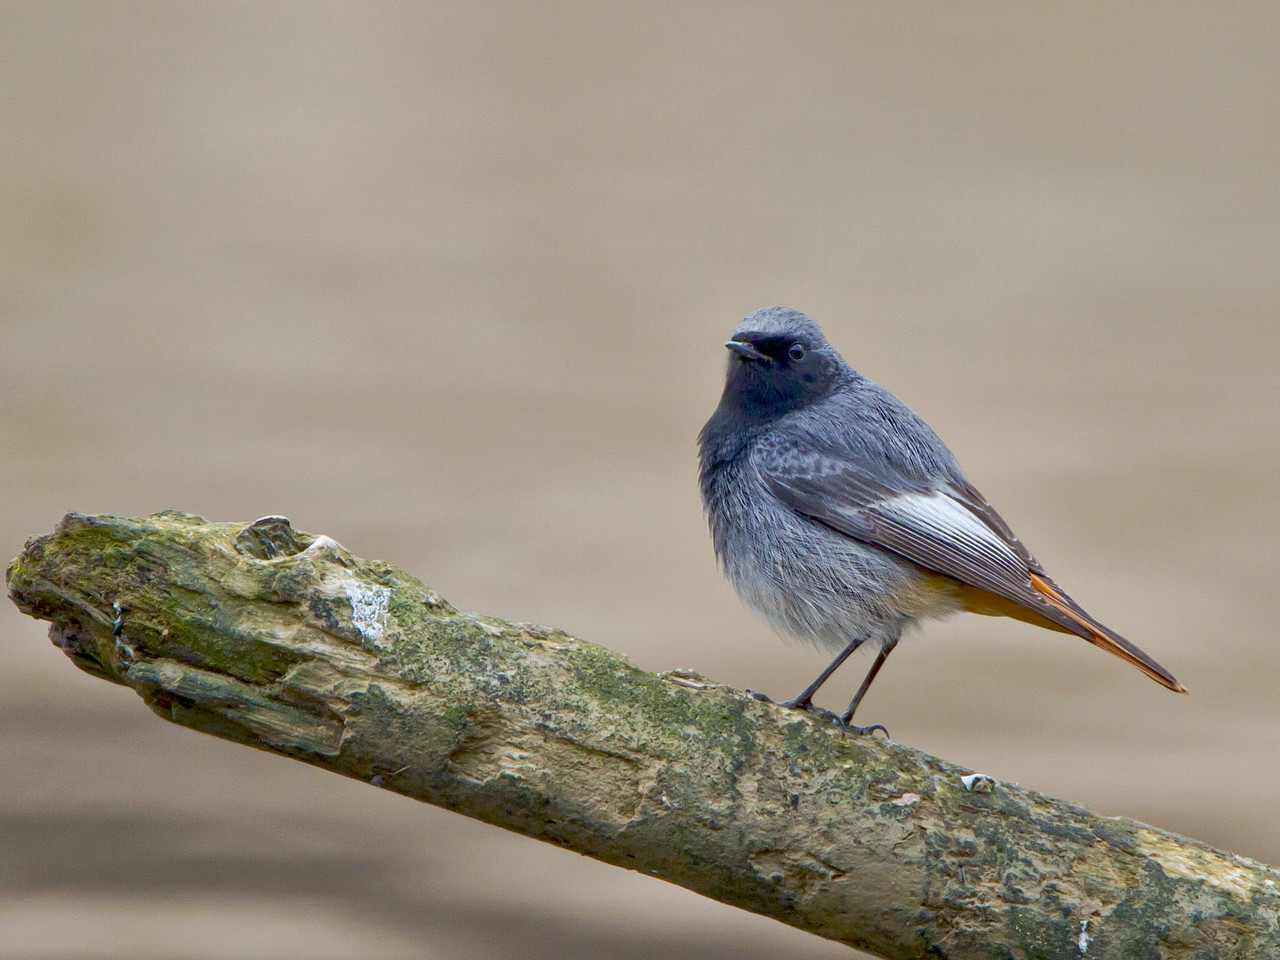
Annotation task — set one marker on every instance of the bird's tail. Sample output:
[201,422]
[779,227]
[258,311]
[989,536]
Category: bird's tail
[1101,636]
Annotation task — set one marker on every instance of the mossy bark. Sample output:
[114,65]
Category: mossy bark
[284,641]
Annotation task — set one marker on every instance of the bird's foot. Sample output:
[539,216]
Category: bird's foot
[843,723]
[808,706]
[795,703]
[867,731]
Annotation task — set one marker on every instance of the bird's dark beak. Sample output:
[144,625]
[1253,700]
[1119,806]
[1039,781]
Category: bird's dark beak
[745,350]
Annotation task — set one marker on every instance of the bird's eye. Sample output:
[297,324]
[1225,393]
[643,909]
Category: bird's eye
[796,352]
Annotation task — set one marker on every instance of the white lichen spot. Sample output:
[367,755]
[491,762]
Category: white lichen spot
[906,800]
[323,543]
[1085,939]
[978,782]
[369,607]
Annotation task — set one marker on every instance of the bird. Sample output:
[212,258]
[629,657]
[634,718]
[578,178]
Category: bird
[840,517]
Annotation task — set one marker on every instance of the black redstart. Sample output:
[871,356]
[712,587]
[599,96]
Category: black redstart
[841,518]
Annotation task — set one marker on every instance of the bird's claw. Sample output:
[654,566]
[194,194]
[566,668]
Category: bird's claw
[802,703]
[867,731]
[843,723]
[796,703]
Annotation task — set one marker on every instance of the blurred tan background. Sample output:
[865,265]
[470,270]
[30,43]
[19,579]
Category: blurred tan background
[449,283]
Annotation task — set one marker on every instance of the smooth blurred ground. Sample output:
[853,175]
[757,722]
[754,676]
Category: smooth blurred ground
[449,282]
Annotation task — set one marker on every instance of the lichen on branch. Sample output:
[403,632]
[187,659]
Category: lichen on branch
[284,641]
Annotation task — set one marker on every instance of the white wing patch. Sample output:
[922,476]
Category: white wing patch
[951,524]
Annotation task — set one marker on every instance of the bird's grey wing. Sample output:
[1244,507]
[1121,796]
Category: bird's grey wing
[948,529]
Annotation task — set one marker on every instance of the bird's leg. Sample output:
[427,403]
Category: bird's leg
[805,700]
[881,657]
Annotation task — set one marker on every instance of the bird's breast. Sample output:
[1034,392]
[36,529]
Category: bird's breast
[805,579]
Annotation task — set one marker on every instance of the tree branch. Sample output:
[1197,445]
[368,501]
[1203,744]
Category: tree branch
[284,641]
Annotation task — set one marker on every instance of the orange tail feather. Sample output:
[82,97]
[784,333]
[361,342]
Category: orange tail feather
[1100,636]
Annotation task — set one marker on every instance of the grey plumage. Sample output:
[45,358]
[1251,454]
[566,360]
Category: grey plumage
[840,517]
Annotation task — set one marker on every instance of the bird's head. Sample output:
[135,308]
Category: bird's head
[779,361]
